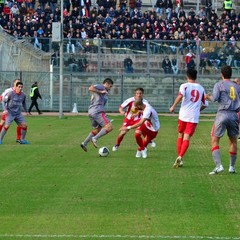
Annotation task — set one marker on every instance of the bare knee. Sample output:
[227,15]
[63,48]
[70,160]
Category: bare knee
[109,127]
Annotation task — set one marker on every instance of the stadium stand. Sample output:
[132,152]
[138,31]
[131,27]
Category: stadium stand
[150,36]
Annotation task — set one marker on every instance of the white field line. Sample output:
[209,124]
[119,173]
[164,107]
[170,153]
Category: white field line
[45,236]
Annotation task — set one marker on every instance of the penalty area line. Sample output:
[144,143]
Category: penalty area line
[43,236]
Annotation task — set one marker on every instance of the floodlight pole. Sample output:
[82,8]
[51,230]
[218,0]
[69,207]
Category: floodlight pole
[61,67]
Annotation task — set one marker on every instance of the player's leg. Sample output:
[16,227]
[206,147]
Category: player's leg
[119,139]
[106,127]
[23,133]
[189,130]
[139,140]
[149,136]
[126,122]
[3,118]
[18,133]
[8,121]
[91,134]
[232,154]
[233,131]
[218,130]
[21,122]
[22,128]
[181,128]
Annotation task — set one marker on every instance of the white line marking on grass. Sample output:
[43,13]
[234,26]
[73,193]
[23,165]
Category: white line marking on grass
[114,236]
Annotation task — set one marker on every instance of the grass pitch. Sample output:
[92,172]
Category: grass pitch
[52,189]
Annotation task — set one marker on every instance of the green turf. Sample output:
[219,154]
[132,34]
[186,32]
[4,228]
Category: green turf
[52,189]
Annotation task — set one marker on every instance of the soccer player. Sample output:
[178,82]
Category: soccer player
[132,115]
[100,122]
[226,93]
[4,114]
[192,95]
[237,81]
[14,101]
[146,128]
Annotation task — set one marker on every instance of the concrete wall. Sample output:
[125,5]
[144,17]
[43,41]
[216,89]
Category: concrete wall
[21,55]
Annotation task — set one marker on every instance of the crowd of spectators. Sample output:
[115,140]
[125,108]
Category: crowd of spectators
[106,21]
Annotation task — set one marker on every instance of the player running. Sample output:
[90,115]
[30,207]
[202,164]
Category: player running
[192,95]
[96,112]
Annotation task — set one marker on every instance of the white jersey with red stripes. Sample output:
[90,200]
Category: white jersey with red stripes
[6,91]
[150,113]
[131,110]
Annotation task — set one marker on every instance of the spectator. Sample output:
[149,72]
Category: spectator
[132,5]
[236,61]
[82,64]
[189,59]
[72,64]
[34,94]
[6,10]
[227,5]
[168,6]
[175,68]
[128,65]
[222,58]
[208,8]
[79,45]
[179,3]
[36,41]
[70,44]
[205,65]
[52,4]
[123,5]
[14,10]
[23,9]
[166,65]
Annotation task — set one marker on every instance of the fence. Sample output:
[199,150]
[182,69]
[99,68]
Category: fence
[106,59]
[159,90]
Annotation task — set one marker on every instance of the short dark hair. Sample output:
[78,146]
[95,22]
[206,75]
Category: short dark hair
[226,71]
[19,83]
[139,89]
[192,74]
[108,80]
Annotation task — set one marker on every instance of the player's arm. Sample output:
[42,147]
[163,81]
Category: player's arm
[92,88]
[177,100]
[134,125]
[204,102]
[209,97]
[25,105]
[121,110]
[5,100]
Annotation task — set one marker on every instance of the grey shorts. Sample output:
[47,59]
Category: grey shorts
[99,119]
[226,120]
[17,118]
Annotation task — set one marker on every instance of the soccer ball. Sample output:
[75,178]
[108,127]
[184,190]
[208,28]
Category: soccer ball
[103,152]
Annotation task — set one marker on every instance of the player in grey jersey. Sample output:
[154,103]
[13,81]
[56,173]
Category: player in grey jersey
[14,101]
[226,93]
[96,112]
